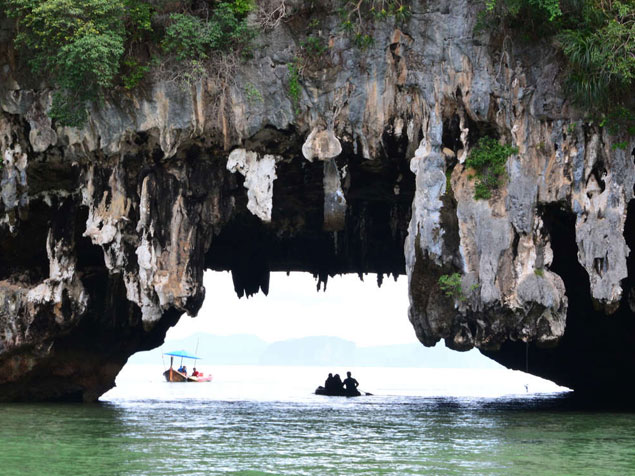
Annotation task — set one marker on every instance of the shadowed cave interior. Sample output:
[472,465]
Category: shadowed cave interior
[594,353]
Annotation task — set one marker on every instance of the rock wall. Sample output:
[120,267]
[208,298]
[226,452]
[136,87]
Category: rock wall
[106,230]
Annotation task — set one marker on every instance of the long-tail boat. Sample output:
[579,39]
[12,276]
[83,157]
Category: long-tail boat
[173,375]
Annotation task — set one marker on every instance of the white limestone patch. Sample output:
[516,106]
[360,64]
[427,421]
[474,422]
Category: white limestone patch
[259,173]
[321,145]
[428,165]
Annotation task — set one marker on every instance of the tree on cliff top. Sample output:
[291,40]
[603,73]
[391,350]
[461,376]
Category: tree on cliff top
[82,46]
[78,44]
[597,38]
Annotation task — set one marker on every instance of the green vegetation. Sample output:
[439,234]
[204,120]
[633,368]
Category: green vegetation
[87,47]
[356,16]
[597,38]
[622,145]
[448,180]
[314,46]
[294,85]
[451,286]
[539,272]
[134,72]
[488,160]
[549,9]
[78,45]
[253,94]
[189,37]
[354,12]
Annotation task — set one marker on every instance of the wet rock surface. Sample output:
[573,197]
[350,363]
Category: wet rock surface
[105,231]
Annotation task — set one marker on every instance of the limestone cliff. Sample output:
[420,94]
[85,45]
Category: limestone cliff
[106,230]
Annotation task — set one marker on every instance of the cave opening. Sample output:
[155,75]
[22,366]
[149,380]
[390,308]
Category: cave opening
[596,350]
[253,346]
[262,275]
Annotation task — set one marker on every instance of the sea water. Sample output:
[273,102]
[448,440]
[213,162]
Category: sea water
[265,420]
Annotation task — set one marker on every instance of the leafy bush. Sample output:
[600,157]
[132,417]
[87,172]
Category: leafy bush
[363,40]
[597,39]
[314,46]
[134,73]
[191,38]
[86,47]
[77,44]
[450,284]
[138,19]
[488,159]
[602,58]
[253,94]
[549,8]
[294,85]
[188,37]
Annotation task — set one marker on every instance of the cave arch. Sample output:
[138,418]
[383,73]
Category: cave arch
[107,230]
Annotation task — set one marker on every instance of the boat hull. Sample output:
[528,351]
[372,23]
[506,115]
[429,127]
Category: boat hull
[341,393]
[207,378]
[172,375]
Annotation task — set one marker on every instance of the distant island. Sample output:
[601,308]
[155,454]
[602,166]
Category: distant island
[243,349]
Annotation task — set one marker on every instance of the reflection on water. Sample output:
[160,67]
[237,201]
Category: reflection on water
[385,434]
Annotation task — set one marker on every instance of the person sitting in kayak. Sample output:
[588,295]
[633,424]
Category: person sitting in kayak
[338,386]
[328,384]
[351,385]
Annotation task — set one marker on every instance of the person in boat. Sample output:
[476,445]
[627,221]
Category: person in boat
[196,373]
[183,369]
[338,386]
[351,385]
[328,384]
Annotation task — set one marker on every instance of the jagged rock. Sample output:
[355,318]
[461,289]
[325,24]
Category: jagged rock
[106,230]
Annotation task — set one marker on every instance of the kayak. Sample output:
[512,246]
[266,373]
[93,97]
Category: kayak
[341,393]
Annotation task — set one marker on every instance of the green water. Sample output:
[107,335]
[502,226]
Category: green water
[373,435]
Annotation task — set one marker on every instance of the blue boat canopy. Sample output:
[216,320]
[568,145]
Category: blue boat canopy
[182,353]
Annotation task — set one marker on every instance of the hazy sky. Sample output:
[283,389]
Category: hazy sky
[350,309]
